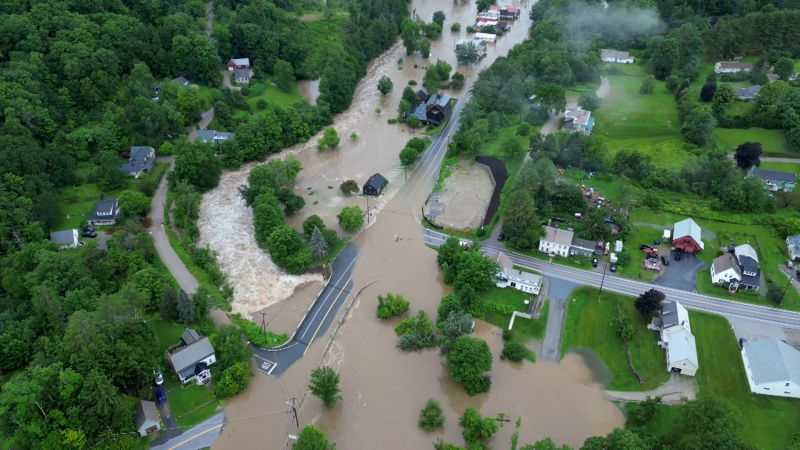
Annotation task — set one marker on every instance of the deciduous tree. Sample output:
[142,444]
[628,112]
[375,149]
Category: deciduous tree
[467,360]
[351,218]
[476,428]
[325,385]
[649,302]
[385,85]
[748,155]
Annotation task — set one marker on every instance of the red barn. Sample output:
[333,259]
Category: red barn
[686,236]
[238,63]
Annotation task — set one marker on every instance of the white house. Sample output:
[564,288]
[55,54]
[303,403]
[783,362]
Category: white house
[616,56]
[732,67]
[738,269]
[191,358]
[147,419]
[793,246]
[676,338]
[487,37]
[772,367]
[515,278]
[65,238]
[724,269]
[578,120]
[556,242]
[105,212]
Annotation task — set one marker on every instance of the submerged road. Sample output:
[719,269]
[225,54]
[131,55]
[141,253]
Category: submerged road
[693,300]
[275,361]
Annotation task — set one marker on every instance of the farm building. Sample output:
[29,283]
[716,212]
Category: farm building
[687,236]
[732,67]
[772,367]
[616,56]
[374,186]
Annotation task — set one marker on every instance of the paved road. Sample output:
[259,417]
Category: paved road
[557,294]
[275,361]
[185,279]
[693,300]
[202,435]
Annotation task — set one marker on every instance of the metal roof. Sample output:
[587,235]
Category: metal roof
[680,346]
[688,227]
[774,175]
[772,360]
[146,411]
[614,54]
[190,355]
[562,237]
[65,237]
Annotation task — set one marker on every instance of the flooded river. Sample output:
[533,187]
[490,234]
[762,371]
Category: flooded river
[383,389]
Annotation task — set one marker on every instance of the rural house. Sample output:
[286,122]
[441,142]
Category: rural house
[191,357]
[556,242]
[578,120]
[772,367]
[676,338]
[515,278]
[105,212]
[616,56]
[687,236]
[238,63]
[374,186]
[508,12]
[732,67]
[748,93]
[436,108]
[737,269]
[147,418]
[180,80]
[65,238]
[793,247]
[480,46]
[140,161]
[585,247]
[776,180]
[242,76]
[213,136]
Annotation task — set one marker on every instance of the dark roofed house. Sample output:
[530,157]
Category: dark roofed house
[147,418]
[242,76]
[374,186]
[140,161]
[65,238]
[213,136]
[190,359]
[776,180]
[584,247]
[436,108]
[105,212]
[748,93]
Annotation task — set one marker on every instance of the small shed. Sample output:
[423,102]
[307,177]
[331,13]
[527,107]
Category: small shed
[374,186]
[147,418]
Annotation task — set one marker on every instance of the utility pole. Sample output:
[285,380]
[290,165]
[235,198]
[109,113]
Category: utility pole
[602,280]
[785,289]
[294,412]
[367,209]
[263,324]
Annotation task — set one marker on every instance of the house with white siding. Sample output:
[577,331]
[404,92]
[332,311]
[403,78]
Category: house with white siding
[556,242]
[772,367]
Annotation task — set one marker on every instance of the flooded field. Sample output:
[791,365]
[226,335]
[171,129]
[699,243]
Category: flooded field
[462,203]
[226,224]
[383,389]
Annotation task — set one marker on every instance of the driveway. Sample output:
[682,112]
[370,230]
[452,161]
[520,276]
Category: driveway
[557,293]
[202,435]
[681,274]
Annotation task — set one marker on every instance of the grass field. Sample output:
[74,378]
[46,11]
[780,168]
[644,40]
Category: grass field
[589,323]
[768,421]
[772,141]
[524,329]
[628,120]
[167,333]
[739,227]
[634,269]
[190,403]
[785,166]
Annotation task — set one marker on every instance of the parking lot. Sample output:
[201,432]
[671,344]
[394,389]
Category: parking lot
[680,274]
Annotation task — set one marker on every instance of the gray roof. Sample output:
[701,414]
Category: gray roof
[681,346]
[139,160]
[213,135]
[735,65]
[794,239]
[438,99]
[240,61]
[772,360]
[242,73]
[584,243]
[420,111]
[65,237]
[188,356]
[377,181]
[561,237]
[105,207]
[669,314]
[614,54]
[180,80]
[774,175]
[748,92]
[190,336]
[724,262]
[146,411]
[688,227]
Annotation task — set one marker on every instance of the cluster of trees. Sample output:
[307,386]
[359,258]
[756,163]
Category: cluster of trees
[412,151]
[270,193]
[417,34]
[391,305]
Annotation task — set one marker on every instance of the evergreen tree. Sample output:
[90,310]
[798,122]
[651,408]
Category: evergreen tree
[319,247]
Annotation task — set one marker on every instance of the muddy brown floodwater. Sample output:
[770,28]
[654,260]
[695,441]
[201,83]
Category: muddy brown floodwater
[383,389]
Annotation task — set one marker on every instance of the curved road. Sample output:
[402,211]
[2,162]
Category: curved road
[729,308]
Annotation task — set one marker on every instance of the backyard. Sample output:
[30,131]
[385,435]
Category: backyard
[628,120]
[512,299]
[589,323]
[772,141]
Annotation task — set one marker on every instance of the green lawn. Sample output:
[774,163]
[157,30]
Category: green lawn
[785,166]
[740,108]
[524,329]
[773,141]
[269,92]
[190,403]
[589,324]
[167,333]
[628,120]
[731,227]
[768,421]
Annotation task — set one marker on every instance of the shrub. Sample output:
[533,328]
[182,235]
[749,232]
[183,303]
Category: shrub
[391,305]
[431,417]
[349,187]
[330,139]
[455,27]
[233,381]
[470,29]
[416,332]
[351,218]
[523,129]
[514,351]
[391,121]
[408,156]
[412,82]
[261,104]
[256,335]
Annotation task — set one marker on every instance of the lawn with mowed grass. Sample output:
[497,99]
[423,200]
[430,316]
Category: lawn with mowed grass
[589,323]
[628,120]
[737,228]
[634,268]
[524,329]
[167,333]
[190,403]
[265,90]
[77,203]
[768,422]
[785,166]
[772,141]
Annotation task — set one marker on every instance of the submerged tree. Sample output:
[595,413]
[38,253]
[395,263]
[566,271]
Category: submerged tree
[325,385]
[319,247]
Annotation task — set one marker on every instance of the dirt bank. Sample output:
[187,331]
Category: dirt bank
[462,203]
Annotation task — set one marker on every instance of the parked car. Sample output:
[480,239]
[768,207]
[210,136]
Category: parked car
[665,260]
[798,274]
[161,395]
[595,262]
[501,236]
[89,232]
[657,242]
[644,246]
[613,267]
[677,256]
[789,263]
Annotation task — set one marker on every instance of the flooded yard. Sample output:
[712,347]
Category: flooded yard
[462,203]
